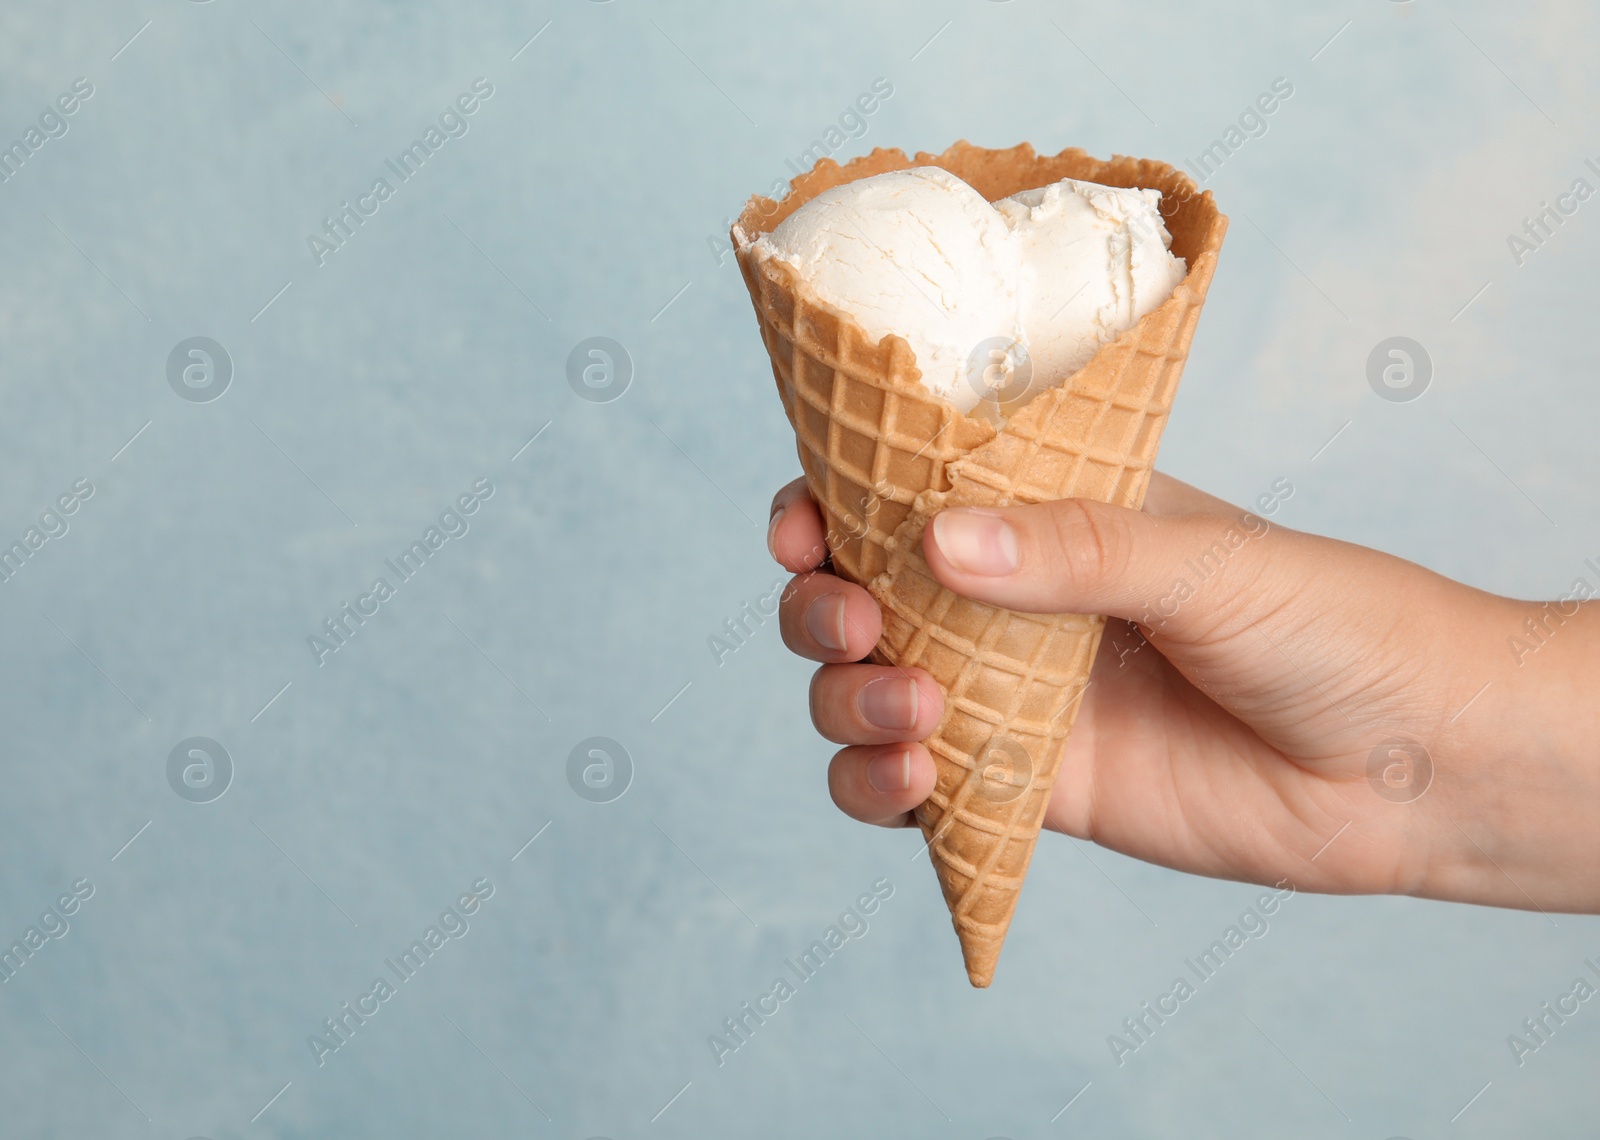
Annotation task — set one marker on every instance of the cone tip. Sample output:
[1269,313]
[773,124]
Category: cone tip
[980,959]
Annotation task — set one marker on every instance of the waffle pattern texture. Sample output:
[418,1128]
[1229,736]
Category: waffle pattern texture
[882,455]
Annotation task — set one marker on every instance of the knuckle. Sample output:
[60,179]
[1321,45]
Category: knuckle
[1234,560]
[930,697]
[1090,544]
[788,493]
[1222,586]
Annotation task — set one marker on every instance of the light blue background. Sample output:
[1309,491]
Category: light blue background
[421,756]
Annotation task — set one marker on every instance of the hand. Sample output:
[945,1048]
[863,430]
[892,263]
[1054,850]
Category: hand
[1249,677]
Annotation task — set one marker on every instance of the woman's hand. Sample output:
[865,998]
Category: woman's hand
[1266,704]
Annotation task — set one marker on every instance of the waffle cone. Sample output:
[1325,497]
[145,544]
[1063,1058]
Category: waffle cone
[882,455]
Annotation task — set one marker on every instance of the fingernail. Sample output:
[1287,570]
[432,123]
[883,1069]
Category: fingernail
[772,532]
[825,622]
[889,772]
[976,541]
[889,702]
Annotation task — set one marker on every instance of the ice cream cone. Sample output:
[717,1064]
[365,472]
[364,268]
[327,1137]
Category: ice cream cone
[882,455]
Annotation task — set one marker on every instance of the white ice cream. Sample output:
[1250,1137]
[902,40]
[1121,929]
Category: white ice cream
[914,252]
[1094,260]
[995,301]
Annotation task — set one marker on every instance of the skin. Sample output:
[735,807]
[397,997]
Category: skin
[1230,729]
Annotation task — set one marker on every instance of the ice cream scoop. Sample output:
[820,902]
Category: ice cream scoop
[916,252]
[1094,259]
[997,302]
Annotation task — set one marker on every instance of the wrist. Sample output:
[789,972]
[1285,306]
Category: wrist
[1515,797]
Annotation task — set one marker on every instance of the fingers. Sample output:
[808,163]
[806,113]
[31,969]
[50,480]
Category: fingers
[795,532]
[874,704]
[876,710]
[881,785]
[1081,556]
[826,618]
[821,616]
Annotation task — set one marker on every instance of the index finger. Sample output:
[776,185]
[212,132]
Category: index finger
[796,535]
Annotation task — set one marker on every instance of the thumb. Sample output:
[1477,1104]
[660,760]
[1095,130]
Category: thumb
[1083,556]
